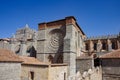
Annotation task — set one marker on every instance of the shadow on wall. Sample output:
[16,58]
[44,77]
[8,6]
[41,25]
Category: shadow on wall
[56,44]
[32,52]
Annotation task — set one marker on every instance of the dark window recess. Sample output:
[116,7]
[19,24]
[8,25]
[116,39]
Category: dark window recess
[64,76]
[95,46]
[32,75]
[96,62]
[113,45]
[87,46]
[104,46]
[50,58]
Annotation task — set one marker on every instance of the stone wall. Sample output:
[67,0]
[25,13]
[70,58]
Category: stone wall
[50,42]
[102,44]
[44,72]
[27,49]
[4,45]
[111,69]
[40,72]
[58,73]
[83,64]
[91,74]
[70,49]
[62,40]
[10,71]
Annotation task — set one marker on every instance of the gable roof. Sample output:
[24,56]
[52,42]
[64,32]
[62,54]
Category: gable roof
[9,56]
[113,54]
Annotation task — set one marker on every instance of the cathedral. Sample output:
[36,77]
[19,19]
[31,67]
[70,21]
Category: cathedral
[60,50]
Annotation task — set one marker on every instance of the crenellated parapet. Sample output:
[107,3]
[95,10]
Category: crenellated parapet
[102,37]
[102,43]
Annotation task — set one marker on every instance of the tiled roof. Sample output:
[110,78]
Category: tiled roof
[85,56]
[8,56]
[32,61]
[113,54]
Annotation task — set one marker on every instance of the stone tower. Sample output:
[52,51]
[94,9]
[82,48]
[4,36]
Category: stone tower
[60,42]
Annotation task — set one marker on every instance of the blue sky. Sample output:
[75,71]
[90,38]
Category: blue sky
[96,17]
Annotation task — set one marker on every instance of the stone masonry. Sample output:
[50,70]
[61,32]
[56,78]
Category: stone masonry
[62,41]
[59,39]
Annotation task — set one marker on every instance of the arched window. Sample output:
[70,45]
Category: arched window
[32,75]
[87,46]
[104,46]
[95,46]
[60,59]
[50,57]
[113,45]
[17,49]
[56,39]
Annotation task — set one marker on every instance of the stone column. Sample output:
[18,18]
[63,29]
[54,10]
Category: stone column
[99,46]
[69,51]
[91,46]
[118,44]
[23,48]
[109,45]
[35,40]
[83,46]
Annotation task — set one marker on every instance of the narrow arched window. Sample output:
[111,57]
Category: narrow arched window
[114,45]
[104,46]
[87,46]
[95,46]
[50,57]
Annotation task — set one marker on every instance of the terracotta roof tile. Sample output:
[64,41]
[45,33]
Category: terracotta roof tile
[32,61]
[85,56]
[113,54]
[8,56]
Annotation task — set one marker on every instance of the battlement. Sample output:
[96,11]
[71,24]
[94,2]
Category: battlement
[103,37]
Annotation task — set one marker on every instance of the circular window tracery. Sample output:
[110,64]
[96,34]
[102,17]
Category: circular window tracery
[56,40]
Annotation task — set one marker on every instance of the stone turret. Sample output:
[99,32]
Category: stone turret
[27,31]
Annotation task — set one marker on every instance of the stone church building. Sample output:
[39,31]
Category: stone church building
[60,50]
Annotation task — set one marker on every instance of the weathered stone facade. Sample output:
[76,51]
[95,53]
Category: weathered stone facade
[90,74]
[58,42]
[111,65]
[102,44]
[44,72]
[10,71]
[22,43]
[39,72]
[10,65]
[84,64]
[111,69]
